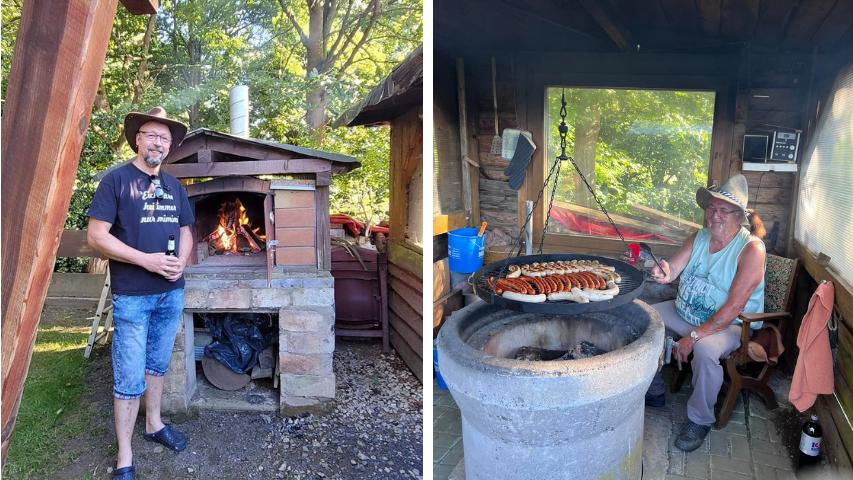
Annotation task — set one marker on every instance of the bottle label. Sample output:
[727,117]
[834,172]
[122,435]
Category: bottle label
[810,445]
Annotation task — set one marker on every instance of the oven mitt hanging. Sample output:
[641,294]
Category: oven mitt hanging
[517,168]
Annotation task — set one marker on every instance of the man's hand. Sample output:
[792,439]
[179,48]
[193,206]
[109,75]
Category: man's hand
[662,276]
[683,348]
[170,267]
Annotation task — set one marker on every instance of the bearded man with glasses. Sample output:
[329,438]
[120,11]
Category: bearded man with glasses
[135,210]
[722,275]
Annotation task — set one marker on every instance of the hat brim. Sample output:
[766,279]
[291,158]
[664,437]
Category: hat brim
[134,120]
[703,198]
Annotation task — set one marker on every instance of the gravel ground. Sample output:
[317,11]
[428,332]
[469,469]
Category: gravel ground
[375,430]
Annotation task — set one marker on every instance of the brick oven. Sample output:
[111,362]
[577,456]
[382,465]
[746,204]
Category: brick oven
[262,247]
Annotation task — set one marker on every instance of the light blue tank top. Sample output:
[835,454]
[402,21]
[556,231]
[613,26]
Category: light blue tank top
[706,279]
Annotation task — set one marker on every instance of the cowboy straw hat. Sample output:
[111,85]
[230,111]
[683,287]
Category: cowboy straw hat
[134,120]
[735,191]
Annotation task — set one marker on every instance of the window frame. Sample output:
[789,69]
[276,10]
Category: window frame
[532,94]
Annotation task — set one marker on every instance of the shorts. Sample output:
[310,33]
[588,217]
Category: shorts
[143,339]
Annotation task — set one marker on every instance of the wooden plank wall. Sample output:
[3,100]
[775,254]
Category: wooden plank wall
[447,166]
[405,303]
[498,202]
[773,93]
[405,257]
[835,409]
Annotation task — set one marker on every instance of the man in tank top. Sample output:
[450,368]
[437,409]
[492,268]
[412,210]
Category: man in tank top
[721,269]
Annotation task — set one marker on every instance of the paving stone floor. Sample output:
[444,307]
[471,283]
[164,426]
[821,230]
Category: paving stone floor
[749,447]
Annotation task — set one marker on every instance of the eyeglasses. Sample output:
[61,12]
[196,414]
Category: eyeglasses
[720,211]
[159,189]
[153,137]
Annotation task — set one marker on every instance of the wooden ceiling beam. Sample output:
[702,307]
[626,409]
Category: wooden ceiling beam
[249,167]
[613,27]
[141,7]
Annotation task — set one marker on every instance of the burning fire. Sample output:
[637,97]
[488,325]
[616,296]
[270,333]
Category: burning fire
[234,226]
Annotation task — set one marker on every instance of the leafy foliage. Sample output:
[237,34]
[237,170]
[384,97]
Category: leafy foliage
[192,52]
[636,147]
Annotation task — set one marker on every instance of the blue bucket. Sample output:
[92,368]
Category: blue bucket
[466,250]
[438,378]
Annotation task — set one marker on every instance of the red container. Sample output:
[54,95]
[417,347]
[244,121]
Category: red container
[361,294]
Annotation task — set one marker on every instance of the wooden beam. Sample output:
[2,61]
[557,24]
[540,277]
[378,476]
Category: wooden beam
[73,243]
[56,67]
[140,7]
[252,167]
[463,136]
[614,28]
[445,223]
[323,236]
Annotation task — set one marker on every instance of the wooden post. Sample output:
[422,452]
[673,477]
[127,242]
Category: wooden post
[463,137]
[56,67]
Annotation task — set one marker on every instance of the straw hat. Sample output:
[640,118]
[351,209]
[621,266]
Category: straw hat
[735,191]
[134,120]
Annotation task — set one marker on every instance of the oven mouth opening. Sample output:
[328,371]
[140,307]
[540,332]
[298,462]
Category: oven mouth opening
[231,229]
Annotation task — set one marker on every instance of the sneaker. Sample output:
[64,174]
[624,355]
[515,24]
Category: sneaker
[691,437]
[656,401]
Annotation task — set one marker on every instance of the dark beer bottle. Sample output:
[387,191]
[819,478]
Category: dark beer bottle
[170,247]
[810,440]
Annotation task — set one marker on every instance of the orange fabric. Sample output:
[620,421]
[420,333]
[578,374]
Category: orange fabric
[813,373]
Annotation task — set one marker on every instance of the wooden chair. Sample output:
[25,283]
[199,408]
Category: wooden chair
[779,281]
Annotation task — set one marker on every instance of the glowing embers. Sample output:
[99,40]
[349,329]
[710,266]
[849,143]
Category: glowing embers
[234,234]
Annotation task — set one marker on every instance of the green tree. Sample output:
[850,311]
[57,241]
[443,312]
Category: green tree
[636,147]
[191,52]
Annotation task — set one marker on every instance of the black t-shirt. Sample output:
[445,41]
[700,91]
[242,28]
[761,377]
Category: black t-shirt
[126,199]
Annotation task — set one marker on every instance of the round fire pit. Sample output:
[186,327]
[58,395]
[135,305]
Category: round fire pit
[572,408]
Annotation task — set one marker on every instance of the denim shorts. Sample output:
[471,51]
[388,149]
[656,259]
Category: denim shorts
[143,339]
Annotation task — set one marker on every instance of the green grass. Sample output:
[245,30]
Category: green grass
[49,414]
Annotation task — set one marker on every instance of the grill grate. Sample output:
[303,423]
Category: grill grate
[629,288]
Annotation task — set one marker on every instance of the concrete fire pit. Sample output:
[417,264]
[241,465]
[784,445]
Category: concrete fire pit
[560,419]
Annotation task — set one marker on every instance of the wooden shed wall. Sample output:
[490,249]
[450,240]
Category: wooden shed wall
[447,167]
[405,302]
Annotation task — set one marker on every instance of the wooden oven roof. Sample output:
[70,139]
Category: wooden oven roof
[208,153]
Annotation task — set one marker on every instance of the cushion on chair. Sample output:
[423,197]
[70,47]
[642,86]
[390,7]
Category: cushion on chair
[776,282]
[766,345]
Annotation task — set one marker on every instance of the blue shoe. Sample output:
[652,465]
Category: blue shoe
[124,473]
[691,437]
[656,401]
[169,437]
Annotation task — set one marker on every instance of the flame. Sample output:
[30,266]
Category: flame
[233,225]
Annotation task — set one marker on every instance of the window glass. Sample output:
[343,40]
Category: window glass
[644,153]
[825,200]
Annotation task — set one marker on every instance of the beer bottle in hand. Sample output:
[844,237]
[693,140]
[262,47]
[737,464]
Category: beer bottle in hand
[170,247]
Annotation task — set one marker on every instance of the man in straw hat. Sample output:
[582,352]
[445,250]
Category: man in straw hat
[137,214]
[722,275]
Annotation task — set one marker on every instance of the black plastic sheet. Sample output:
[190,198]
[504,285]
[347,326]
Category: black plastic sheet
[238,339]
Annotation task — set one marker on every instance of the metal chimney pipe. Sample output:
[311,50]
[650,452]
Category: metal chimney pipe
[238,99]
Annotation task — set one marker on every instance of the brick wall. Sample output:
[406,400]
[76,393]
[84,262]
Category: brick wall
[295,228]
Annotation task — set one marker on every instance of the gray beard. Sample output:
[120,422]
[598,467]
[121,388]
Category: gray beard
[152,162]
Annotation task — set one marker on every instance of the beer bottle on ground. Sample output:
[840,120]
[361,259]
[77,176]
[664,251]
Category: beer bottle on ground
[170,247]
[810,440]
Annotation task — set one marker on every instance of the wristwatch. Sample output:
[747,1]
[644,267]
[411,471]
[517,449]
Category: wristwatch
[694,335]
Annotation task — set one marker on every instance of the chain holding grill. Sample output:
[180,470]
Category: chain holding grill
[554,172]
